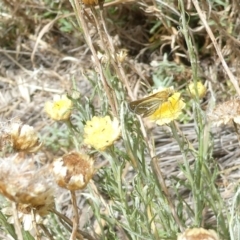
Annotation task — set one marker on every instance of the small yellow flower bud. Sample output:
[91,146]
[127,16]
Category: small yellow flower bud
[60,108]
[73,171]
[198,234]
[201,89]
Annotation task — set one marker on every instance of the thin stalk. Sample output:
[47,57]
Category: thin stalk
[162,185]
[33,214]
[46,231]
[17,224]
[66,220]
[81,21]
[75,218]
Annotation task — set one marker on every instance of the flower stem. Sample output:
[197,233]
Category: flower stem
[75,218]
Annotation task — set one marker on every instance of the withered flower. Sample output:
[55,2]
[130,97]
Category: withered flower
[22,137]
[73,171]
[226,113]
[23,182]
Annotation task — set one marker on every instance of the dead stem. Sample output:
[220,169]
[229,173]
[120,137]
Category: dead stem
[17,224]
[118,67]
[79,12]
[75,218]
[33,214]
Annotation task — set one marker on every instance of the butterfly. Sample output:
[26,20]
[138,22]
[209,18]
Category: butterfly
[148,105]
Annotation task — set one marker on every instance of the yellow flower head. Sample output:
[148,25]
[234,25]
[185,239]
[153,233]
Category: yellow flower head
[201,89]
[198,234]
[73,171]
[101,132]
[226,112]
[60,108]
[169,110]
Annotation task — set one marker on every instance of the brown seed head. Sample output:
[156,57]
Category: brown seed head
[73,171]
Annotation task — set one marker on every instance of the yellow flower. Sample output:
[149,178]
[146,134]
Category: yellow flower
[60,108]
[201,89]
[73,171]
[198,234]
[101,132]
[169,110]
[226,112]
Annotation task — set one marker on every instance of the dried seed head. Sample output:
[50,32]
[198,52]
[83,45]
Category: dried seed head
[226,113]
[22,137]
[23,182]
[73,171]
[198,234]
